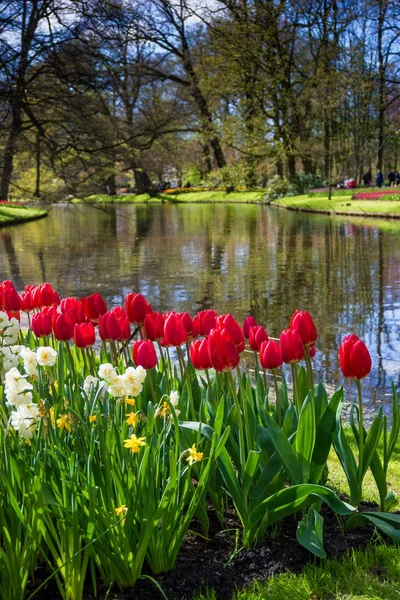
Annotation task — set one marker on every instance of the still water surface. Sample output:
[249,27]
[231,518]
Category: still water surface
[243,259]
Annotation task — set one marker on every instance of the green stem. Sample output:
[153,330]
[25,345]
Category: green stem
[188,382]
[360,431]
[278,398]
[210,388]
[242,456]
[245,401]
[296,395]
[310,372]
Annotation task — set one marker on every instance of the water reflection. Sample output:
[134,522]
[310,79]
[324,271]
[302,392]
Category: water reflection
[240,259]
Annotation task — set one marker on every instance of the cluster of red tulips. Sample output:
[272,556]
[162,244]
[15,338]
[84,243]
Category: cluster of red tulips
[216,341]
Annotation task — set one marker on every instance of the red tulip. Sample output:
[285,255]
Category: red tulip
[144,354]
[154,326]
[199,355]
[84,335]
[175,333]
[114,326]
[189,325]
[354,358]
[292,347]
[229,323]
[74,308]
[43,295]
[27,300]
[10,300]
[312,351]
[222,350]
[248,322]
[63,327]
[93,306]
[257,335]
[204,321]
[270,355]
[42,323]
[303,323]
[137,308]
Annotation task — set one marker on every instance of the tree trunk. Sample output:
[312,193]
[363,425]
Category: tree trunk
[110,186]
[38,160]
[142,182]
[10,149]
[202,105]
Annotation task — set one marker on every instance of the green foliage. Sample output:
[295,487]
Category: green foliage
[231,177]
[278,187]
[303,182]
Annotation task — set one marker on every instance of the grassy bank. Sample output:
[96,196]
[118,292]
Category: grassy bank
[186,197]
[342,204]
[9,215]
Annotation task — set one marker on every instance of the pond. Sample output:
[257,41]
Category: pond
[243,259]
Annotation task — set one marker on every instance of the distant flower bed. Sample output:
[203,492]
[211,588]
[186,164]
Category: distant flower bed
[8,203]
[187,190]
[389,195]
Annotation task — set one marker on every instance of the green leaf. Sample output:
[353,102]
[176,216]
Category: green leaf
[250,470]
[305,436]
[386,522]
[205,430]
[346,458]
[321,402]
[285,451]
[326,428]
[310,533]
[370,444]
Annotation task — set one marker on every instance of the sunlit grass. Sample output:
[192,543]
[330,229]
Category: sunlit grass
[9,215]
[342,204]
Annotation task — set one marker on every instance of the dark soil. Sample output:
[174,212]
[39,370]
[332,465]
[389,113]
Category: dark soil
[219,563]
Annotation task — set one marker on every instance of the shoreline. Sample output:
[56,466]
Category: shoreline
[16,215]
[333,212]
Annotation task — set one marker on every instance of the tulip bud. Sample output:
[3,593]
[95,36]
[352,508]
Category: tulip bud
[223,353]
[189,325]
[42,324]
[74,308]
[354,358]
[229,323]
[303,323]
[114,325]
[137,308]
[11,300]
[175,333]
[270,355]
[144,354]
[154,326]
[248,322]
[63,327]
[257,335]
[84,335]
[199,355]
[93,306]
[292,347]
[204,321]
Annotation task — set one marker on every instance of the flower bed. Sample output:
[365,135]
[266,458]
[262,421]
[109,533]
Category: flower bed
[107,454]
[388,194]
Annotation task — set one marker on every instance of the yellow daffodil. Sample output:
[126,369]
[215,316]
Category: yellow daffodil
[194,456]
[130,401]
[51,413]
[92,418]
[120,510]
[134,443]
[132,419]
[63,422]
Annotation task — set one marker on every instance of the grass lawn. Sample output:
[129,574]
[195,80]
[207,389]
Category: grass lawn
[14,214]
[341,204]
[370,574]
[188,197]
